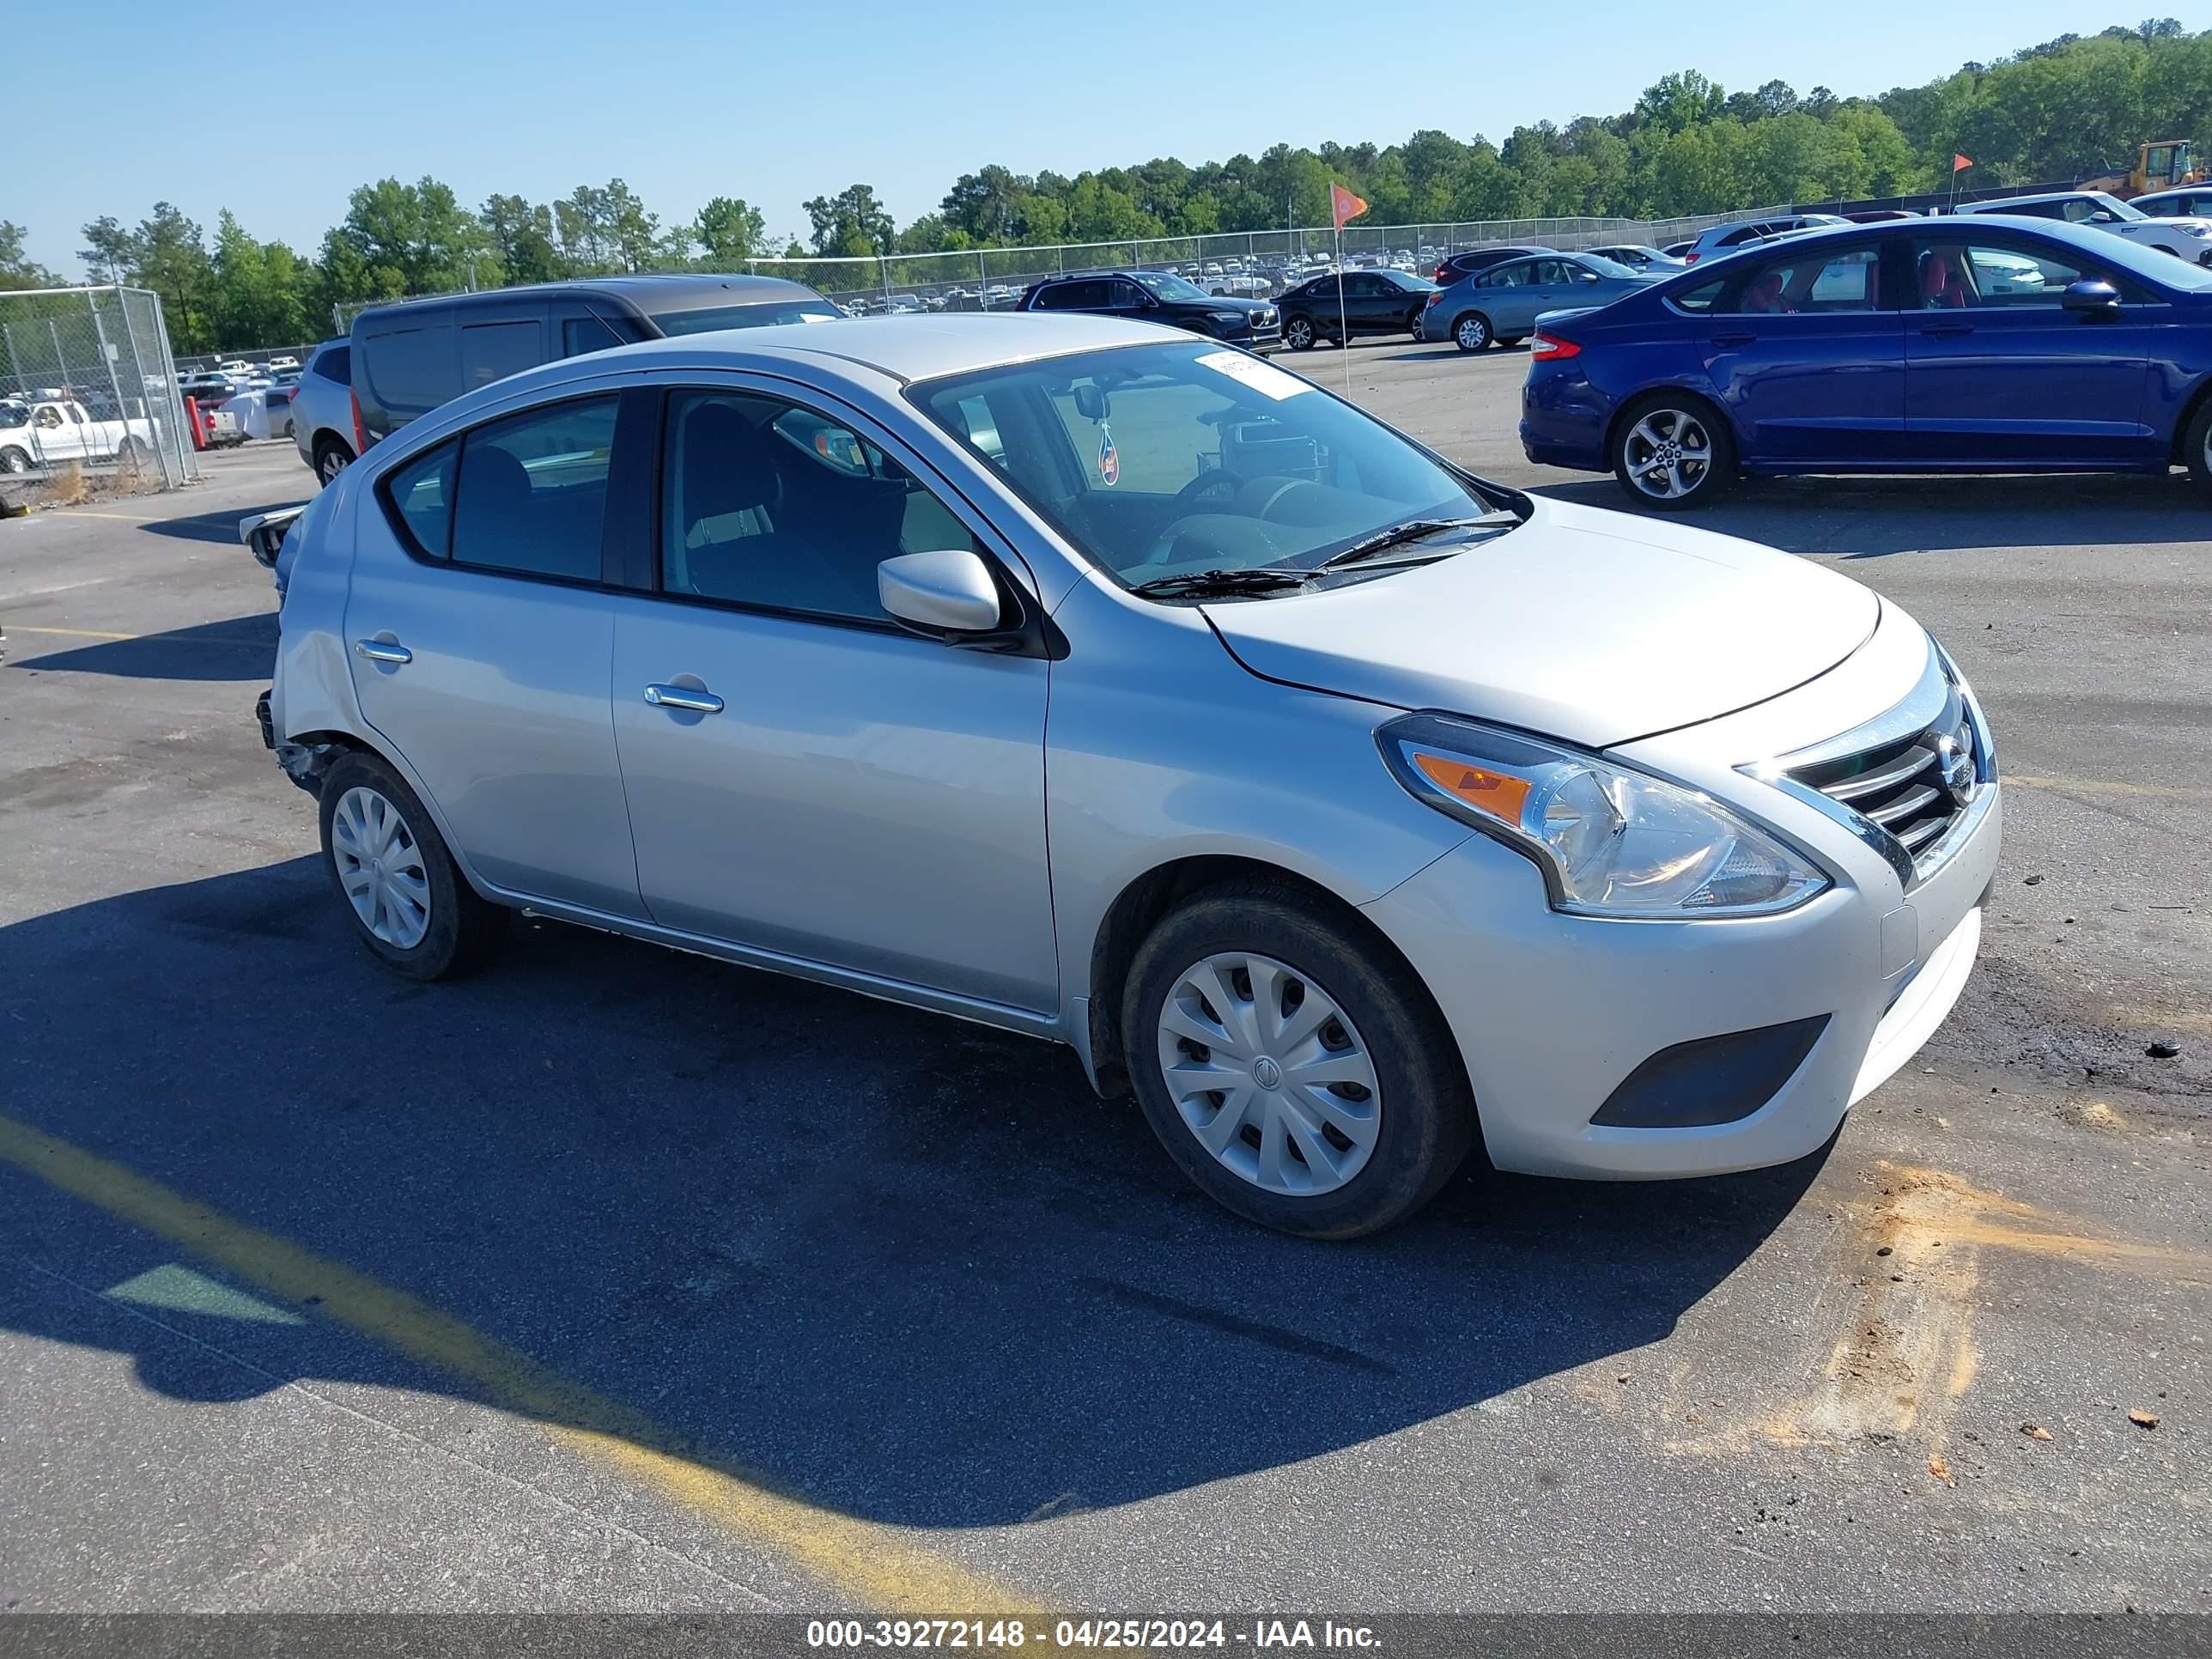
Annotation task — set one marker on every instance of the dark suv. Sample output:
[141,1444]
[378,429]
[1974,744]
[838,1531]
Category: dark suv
[410,357]
[1159,296]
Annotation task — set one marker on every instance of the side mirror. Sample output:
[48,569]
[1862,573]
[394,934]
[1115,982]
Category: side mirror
[940,593]
[2101,216]
[2091,298]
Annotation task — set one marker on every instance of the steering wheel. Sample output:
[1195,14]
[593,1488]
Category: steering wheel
[1212,479]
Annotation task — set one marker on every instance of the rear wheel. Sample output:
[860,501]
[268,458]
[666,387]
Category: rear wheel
[132,452]
[13,459]
[1295,1070]
[331,458]
[2196,445]
[1671,451]
[1298,333]
[1471,332]
[410,903]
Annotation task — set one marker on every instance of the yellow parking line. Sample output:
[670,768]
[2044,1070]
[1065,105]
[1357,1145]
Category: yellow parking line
[881,1567]
[2105,786]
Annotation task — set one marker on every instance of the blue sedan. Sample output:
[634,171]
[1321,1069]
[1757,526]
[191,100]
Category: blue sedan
[1988,344]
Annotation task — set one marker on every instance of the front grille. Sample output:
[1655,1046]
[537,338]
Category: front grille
[1911,788]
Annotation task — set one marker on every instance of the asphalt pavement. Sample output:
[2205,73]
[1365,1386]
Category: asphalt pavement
[619,1281]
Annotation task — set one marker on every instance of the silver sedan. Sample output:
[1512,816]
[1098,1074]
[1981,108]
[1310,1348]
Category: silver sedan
[1097,683]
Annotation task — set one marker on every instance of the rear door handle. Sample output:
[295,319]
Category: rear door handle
[682,696]
[1945,331]
[383,651]
[1734,339]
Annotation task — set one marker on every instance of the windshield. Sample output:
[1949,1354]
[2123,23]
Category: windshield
[1606,267]
[1171,460]
[2115,206]
[710,317]
[1162,285]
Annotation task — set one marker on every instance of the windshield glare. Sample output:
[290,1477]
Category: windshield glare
[708,318]
[1162,285]
[1169,459]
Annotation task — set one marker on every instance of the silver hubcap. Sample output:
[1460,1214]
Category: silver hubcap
[1474,332]
[1269,1074]
[1669,453]
[1300,333]
[380,867]
[333,464]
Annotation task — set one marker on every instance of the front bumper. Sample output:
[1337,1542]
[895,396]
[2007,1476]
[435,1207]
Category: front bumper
[1553,1013]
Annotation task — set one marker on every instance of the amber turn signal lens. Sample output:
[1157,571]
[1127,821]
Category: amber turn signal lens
[1498,793]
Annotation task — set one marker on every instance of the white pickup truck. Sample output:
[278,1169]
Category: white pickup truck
[46,433]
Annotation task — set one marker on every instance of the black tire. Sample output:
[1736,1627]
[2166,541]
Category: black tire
[2194,443]
[331,458]
[13,459]
[1413,322]
[464,929]
[1471,332]
[1299,333]
[133,452]
[1715,457]
[1427,1116]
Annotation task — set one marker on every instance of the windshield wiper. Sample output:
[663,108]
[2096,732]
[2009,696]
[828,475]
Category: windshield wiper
[1199,584]
[1413,530]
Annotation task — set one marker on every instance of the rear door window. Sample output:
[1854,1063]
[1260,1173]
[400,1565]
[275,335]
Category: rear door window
[422,493]
[413,370]
[492,351]
[532,491]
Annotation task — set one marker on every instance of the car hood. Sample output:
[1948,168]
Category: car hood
[1591,626]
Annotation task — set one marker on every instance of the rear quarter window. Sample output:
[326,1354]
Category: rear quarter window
[334,363]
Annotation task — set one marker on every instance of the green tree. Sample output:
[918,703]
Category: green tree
[415,239]
[258,291]
[521,237]
[730,231]
[107,252]
[851,223]
[17,269]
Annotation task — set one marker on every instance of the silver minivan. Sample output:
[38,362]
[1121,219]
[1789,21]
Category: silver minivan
[1119,688]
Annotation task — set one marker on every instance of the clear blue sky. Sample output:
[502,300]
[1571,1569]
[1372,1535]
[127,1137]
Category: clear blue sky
[277,110]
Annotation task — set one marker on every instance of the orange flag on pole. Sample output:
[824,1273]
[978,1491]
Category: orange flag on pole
[1343,205]
[1960,163]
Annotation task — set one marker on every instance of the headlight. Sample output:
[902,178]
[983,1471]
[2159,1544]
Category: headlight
[1611,841]
[2199,230]
[1230,317]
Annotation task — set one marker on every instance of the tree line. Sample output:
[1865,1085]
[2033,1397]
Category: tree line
[2065,109]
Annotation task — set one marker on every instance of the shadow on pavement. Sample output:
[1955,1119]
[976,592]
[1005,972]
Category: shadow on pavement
[242,648]
[1872,518]
[904,1267]
[220,526]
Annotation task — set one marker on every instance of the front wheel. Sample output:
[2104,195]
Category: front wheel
[1673,452]
[1299,334]
[1471,332]
[410,903]
[1295,1070]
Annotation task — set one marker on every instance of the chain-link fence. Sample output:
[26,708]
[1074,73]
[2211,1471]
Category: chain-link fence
[89,388]
[1256,263]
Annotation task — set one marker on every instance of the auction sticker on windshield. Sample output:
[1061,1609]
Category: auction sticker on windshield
[1263,377]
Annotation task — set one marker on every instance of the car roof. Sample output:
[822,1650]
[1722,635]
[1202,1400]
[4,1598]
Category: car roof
[2003,202]
[669,291]
[905,348]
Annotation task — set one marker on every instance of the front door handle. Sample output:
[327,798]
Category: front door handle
[389,651]
[682,696]
[1734,339]
[1945,331]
